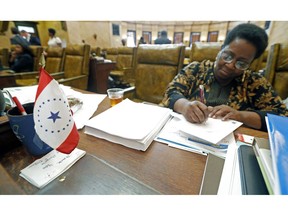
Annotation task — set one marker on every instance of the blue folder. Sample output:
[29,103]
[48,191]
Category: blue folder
[278,137]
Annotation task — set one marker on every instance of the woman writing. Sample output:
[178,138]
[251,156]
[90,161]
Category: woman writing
[231,90]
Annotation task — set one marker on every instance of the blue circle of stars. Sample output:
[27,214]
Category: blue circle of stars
[54,116]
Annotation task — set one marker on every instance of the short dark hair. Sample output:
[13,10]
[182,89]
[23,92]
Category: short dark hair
[164,33]
[250,32]
[14,30]
[52,31]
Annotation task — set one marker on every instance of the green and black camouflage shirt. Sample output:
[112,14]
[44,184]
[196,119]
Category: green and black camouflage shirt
[253,93]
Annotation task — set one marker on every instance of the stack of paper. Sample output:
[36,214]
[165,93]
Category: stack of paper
[131,124]
[46,169]
[278,138]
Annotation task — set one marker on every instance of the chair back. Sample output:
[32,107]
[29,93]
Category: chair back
[156,66]
[76,63]
[111,53]
[37,52]
[95,51]
[55,59]
[260,63]
[4,56]
[205,50]
[125,57]
[277,68]
[125,64]
[188,52]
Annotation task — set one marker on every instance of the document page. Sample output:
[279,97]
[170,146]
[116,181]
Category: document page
[46,169]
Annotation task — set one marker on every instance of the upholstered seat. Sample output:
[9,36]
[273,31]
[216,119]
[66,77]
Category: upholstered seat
[187,58]
[4,57]
[205,50]
[277,68]
[54,59]
[111,53]
[260,63]
[76,66]
[156,66]
[30,78]
[54,63]
[125,65]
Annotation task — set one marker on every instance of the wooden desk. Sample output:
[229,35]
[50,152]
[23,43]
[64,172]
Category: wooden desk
[160,169]
[98,75]
[7,80]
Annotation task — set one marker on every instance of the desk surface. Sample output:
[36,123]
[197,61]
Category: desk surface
[160,169]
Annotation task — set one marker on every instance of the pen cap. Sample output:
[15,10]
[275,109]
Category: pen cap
[23,127]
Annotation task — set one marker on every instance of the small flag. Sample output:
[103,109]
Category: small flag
[53,119]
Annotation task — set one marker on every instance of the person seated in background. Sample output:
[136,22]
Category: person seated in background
[17,37]
[53,40]
[32,40]
[21,59]
[163,39]
[141,41]
[231,90]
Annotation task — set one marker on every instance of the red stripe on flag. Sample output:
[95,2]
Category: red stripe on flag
[71,142]
[44,79]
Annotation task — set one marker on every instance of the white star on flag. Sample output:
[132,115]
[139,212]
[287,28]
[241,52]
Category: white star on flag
[53,118]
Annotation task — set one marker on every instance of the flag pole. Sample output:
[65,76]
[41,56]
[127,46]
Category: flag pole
[42,61]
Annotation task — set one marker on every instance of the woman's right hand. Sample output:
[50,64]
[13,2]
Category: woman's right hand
[193,111]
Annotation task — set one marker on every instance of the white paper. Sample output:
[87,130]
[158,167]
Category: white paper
[212,131]
[27,94]
[171,135]
[46,169]
[230,183]
[128,123]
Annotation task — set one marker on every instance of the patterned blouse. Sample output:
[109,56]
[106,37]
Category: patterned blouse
[253,93]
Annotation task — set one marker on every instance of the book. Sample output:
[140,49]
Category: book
[131,124]
[210,132]
[44,170]
[278,138]
[262,151]
[252,182]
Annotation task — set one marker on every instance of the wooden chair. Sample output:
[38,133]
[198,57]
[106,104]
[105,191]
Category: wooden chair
[76,66]
[277,68]
[156,66]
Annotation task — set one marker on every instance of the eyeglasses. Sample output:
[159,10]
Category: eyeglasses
[228,58]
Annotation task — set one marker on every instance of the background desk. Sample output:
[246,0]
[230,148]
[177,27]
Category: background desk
[7,79]
[160,169]
[98,75]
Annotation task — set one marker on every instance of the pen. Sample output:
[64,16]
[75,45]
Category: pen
[19,105]
[201,93]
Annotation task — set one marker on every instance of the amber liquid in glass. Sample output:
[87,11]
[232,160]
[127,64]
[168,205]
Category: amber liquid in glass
[115,100]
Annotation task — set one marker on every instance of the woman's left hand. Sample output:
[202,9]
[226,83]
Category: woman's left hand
[225,112]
